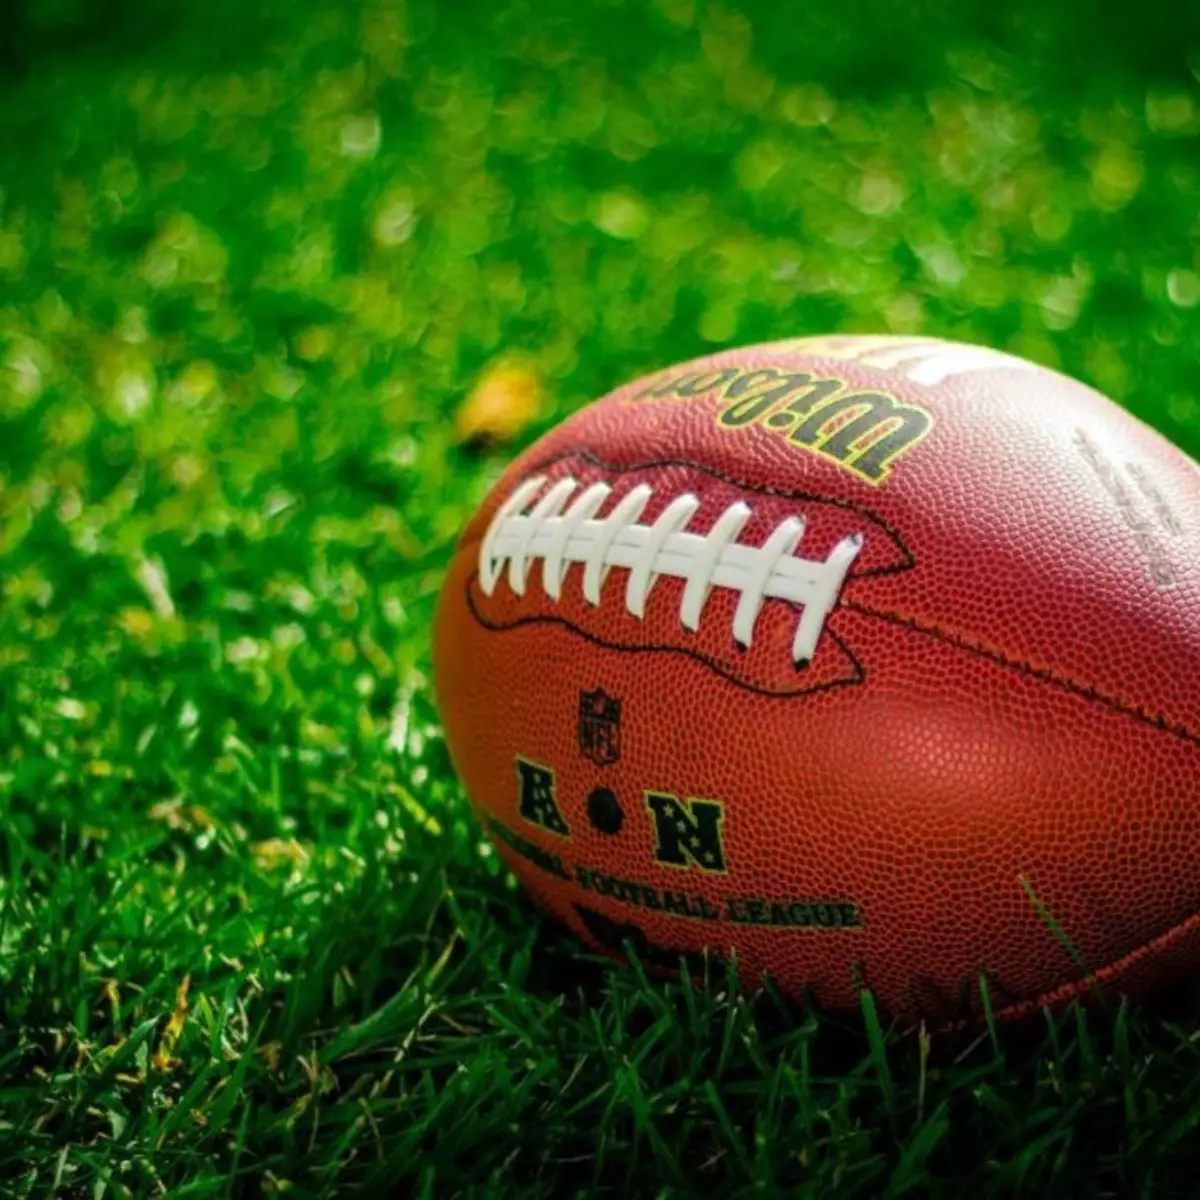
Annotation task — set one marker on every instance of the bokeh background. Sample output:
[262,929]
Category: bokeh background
[282,287]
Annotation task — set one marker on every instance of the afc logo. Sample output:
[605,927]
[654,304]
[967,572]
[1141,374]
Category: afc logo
[599,727]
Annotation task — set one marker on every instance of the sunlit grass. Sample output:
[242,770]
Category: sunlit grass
[254,294]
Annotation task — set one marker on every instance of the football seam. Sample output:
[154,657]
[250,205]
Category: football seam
[1068,991]
[859,673]
[1085,691]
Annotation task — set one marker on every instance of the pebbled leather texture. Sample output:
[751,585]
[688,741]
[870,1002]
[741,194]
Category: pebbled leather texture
[998,735]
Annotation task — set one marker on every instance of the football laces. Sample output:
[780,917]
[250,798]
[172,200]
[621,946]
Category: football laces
[563,528]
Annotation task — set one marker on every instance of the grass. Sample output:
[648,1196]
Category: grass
[251,939]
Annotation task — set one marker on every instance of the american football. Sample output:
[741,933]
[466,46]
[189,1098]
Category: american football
[870,662]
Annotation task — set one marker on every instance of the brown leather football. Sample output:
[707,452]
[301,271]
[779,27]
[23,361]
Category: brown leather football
[871,661]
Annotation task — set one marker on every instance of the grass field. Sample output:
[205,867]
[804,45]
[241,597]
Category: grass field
[251,263]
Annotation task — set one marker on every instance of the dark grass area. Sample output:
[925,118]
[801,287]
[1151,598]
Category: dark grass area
[252,259]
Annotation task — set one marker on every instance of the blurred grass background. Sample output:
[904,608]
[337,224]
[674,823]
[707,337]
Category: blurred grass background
[254,259]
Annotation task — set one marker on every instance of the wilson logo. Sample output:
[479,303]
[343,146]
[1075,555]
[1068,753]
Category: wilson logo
[864,432]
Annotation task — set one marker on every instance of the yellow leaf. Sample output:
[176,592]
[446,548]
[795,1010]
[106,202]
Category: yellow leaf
[137,622]
[275,852]
[170,1035]
[178,815]
[503,402]
[269,1054]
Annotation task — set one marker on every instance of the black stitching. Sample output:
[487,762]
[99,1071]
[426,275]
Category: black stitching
[1084,690]
[859,672]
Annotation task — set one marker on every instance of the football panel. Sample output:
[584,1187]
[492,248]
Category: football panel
[941,817]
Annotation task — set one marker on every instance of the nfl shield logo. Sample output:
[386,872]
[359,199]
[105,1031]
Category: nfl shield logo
[599,727]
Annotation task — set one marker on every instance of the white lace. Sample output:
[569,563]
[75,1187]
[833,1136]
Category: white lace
[560,537]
